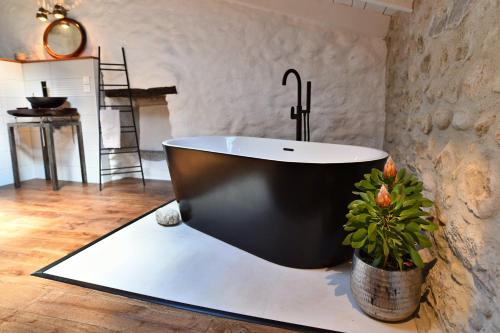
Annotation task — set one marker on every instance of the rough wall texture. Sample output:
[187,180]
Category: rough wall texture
[227,62]
[443,121]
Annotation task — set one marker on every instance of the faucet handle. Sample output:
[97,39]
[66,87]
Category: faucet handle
[293,114]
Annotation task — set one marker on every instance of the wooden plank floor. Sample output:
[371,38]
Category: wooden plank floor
[38,226]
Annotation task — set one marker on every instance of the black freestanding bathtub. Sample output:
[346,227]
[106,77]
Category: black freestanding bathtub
[284,201]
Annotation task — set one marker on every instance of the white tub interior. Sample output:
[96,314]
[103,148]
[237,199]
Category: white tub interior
[274,149]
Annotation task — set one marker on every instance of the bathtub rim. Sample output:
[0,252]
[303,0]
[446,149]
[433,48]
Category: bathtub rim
[169,144]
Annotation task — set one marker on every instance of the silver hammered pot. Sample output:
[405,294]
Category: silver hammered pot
[385,295]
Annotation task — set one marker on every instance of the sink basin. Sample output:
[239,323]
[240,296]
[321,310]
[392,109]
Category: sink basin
[46,102]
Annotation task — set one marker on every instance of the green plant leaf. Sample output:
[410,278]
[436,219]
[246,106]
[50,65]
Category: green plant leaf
[426,203]
[358,245]
[365,197]
[365,184]
[394,196]
[359,235]
[385,247]
[400,262]
[373,211]
[413,188]
[410,189]
[400,200]
[399,227]
[356,224]
[415,257]
[408,212]
[376,262]
[411,213]
[412,196]
[361,217]
[408,238]
[347,240]
[371,230]
[356,203]
[410,202]
[413,227]
[429,227]
[423,241]
[371,247]
[401,175]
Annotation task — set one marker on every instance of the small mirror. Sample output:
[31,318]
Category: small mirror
[64,38]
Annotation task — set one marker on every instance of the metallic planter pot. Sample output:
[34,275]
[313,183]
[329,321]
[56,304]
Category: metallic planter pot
[385,295]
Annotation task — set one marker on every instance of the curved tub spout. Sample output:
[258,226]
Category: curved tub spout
[298,113]
[299,86]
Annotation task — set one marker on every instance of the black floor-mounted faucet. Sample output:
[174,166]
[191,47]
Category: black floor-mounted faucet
[298,113]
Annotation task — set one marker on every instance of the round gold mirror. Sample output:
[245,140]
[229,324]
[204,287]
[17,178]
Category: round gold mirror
[64,38]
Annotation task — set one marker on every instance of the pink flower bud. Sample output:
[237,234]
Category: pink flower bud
[383,197]
[390,168]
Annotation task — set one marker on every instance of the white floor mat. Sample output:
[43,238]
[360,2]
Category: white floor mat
[183,265]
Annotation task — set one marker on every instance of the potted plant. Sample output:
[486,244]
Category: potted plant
[386,227]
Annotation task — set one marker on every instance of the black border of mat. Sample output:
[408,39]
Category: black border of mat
[183,306]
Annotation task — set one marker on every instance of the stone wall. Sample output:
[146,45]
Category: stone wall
[443,122]
[227,61]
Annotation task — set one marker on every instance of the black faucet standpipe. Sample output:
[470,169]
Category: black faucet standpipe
[44,89]
[298,113]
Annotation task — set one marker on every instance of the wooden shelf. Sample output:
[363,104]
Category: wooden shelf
[46,60]
[151,92]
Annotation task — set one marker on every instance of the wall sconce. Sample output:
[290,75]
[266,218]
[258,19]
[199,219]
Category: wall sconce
[59,12]
[42,14]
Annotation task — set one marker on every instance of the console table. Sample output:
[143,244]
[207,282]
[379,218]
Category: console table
[49,120]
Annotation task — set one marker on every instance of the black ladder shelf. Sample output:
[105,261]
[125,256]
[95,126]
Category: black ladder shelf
[125,108]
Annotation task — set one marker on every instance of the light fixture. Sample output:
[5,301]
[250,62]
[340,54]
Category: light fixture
[41,14]
[59,12]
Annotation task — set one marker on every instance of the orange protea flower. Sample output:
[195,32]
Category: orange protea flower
[390,168]
[383,197]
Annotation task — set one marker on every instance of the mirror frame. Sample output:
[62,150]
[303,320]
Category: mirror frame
[55,23]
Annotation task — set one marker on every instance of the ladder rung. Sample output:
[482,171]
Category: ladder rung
[117,106]
[117,168]
[112,69]
[111,64]
[128,131]
[127,126]
[129,147]
[120,152]
[113,85]
[125,110]
[118,173]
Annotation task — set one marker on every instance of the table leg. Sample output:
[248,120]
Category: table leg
[81,151]
[43,140]
[13,157]
[52,156]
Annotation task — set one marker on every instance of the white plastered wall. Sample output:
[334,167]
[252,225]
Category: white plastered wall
[227,61]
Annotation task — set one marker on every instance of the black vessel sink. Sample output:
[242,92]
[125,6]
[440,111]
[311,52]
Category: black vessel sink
[46,102]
